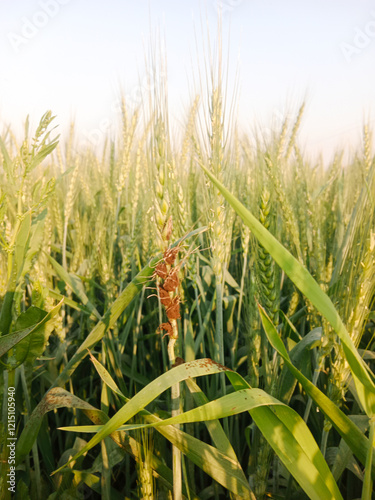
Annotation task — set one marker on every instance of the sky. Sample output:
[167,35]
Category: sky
[75,57]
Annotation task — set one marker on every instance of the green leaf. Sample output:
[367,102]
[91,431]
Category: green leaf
[310,288]
[214,427]
[10,340]
[343,456]
[107,322]
[357,441]
[69,302]
[226,406]
[367,482]
[216,431]
[92,339]
[35,241]
[21,244]
[150,392]
[294,444]
[7,162]
[106,377]
[21,237]
[33,345]
[298,356]
[222,468]
[163,471]
[73,281]
[291,439]
[215,463]
[55,398]
[43,153]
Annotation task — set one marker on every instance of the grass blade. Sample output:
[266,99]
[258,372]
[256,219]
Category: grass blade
[310,288]
[75,284]
[357,441]
[150,392]
[12,339]
[283,427]
[294,444]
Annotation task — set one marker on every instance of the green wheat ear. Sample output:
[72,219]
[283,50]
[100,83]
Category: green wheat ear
[269,294]
[146,480]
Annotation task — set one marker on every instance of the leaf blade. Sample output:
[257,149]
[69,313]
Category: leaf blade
[310,288]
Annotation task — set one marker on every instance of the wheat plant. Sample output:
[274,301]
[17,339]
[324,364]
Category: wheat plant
[174,280]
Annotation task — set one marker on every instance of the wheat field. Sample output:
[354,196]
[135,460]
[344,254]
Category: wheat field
[219,280]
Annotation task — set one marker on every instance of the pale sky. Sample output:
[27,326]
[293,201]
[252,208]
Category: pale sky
[74,57]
